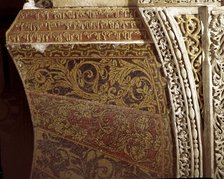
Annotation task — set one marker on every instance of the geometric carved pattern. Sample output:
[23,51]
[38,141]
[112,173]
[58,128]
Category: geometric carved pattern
[139,138]
[186,114]
[191,31]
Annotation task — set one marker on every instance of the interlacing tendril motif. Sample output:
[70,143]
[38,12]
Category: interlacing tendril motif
[76,161]
[217,63]
[131,135]
[191,30]
[128,79]
[186,115]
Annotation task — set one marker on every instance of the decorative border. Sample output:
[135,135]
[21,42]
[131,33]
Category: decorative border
[182,90]
[125,3]
[190,27]
[213,89]
[78,25]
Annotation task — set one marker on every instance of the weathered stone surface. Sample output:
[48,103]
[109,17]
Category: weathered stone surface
[98,3]
[213,20]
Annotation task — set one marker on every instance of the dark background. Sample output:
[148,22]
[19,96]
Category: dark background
[16,135]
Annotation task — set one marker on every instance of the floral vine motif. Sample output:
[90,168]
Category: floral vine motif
[118,74]
[129,79]
[184,110]
[191,31]
[135,136]
[64,162]
[217,63]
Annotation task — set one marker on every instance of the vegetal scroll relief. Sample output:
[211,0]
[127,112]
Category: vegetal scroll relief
[186,115]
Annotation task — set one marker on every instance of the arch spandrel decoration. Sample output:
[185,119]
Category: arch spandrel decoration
[130,78]
[182,91]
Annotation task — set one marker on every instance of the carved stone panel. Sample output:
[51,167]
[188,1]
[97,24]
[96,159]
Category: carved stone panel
[190,26]
[214,80]
[175,61]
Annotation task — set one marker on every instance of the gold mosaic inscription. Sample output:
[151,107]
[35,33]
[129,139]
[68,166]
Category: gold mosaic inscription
[77,25]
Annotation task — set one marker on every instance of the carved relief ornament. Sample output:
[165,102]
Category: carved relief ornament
[182,90]
[214,90]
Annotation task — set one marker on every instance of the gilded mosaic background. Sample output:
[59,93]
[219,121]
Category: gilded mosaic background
[107,100]
[139,138]
[97,81]
[124,75]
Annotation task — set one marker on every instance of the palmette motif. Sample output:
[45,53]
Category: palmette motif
[185,107]
[191,30]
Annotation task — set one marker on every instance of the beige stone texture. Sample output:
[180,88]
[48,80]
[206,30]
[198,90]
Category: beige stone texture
[72,3]
[125,3]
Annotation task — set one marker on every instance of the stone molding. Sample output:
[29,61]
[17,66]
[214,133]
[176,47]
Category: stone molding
[97,3]
[186,114]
